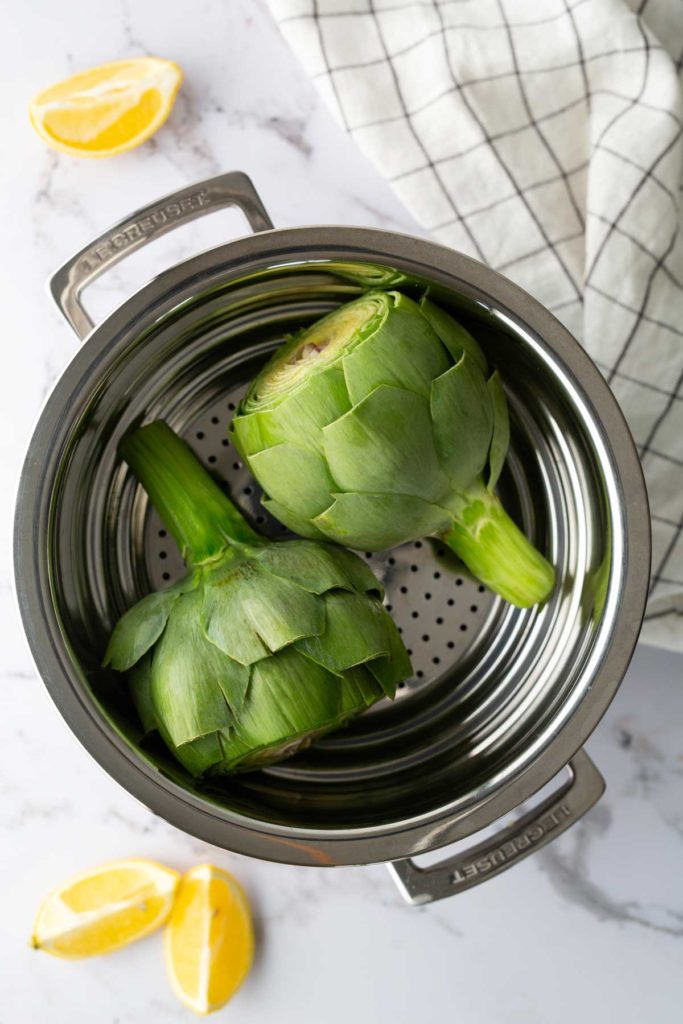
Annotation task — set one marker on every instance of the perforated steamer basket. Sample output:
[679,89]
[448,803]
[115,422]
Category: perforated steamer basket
[502,699]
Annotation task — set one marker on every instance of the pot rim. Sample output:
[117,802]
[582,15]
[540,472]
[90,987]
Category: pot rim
[188,810]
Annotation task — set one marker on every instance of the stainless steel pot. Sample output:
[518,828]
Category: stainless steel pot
[502,700]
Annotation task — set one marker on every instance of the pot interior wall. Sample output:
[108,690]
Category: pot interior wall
[493,684]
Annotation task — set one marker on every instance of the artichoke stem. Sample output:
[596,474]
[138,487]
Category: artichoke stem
[192,506]
[496,551]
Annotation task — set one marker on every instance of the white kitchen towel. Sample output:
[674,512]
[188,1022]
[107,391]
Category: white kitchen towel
[542,137]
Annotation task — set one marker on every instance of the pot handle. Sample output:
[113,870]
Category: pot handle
[549,819]
[152,221]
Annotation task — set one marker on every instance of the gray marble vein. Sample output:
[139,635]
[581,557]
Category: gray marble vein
[569,873]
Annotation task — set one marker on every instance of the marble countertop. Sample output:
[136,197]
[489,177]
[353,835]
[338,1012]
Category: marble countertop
[591,927]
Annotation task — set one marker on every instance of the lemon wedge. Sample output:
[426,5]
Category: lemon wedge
[209,939]
[109,109]
[104,909]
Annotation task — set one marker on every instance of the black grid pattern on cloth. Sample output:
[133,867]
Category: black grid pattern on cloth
[545,141]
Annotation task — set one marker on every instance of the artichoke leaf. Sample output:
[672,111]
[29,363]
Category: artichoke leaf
[299,416]
[140,687]
[296,523]
[294,477]
[293,698]
[249,612]
[386,445]
[403,352]
[500,440]
[196,689]
[355,632]
[453,335]
[392,670]
[380,521]
[463,421]
[200,755]
[140,627]
[294,417]
[364,679]
[246,434]
[319,567]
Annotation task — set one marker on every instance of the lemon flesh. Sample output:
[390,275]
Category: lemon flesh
[109,109]
[104,909]
[209,939]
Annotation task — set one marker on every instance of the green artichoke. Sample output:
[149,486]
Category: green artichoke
[263,646]
[380,424]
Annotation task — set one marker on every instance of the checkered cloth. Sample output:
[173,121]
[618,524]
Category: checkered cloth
[543,138]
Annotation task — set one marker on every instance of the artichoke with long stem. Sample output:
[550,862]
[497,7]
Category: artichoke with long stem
[264,645]
[380,424]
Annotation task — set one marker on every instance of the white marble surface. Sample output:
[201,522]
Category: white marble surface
[591,928]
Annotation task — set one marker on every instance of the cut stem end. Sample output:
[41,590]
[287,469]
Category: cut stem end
[496,551]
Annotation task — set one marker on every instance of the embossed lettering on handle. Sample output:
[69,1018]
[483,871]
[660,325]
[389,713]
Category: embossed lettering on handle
[131,233]
[551,818]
